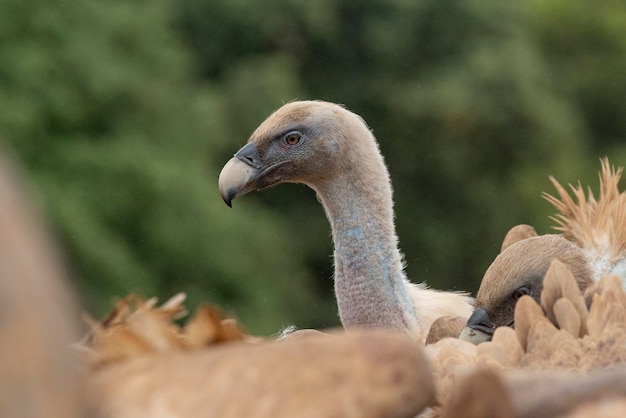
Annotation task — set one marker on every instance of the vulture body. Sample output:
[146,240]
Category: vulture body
[592,245]
[333,151]
[565,355]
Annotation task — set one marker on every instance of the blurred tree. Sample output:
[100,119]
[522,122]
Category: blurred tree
[584,44]
[99,105]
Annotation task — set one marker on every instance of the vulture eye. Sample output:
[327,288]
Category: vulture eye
[519,293]
[292,138]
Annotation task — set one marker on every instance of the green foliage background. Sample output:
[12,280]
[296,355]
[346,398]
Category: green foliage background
[123,112]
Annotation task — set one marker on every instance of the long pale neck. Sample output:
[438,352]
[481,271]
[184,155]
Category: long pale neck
[369,275]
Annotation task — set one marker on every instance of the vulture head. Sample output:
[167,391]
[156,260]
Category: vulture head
[517,271]
[302,142]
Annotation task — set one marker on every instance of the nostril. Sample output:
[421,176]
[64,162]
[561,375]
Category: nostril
[249,154]
[480,320]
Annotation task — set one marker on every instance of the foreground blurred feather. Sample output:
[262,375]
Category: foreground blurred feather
[141,362]
[38,319]
[367,373]
[136,327]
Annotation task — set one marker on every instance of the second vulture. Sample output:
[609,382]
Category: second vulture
[592,246]
[333,151]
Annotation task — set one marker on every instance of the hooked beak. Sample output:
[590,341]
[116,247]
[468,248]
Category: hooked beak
[247,171]
[479,327]
[238,175]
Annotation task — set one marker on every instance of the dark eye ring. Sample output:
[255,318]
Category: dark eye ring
[519,293]
[293,138]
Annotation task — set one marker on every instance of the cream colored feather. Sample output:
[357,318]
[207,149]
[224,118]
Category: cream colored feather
[597,225]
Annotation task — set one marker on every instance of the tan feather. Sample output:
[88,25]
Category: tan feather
[558,394]
[596,225]
[527,313]
[207,327]
[365,373]
[445,327]
[560,283]
[539,343]
[613,407]
[505,349]
[506,338]
[136,327]
[606,313]
[469,398]
[566,351]
[449,358]
[517,233]
[567,317]
[610,283]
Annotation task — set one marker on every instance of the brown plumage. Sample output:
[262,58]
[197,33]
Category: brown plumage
[142,360]
[136,328]
[564,355]
[517,233]
[521,394]
[592,245]
[445,327]
[363,373]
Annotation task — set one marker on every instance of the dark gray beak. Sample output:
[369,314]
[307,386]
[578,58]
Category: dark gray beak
[479,327]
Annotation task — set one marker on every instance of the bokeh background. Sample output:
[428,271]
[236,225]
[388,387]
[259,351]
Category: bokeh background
[121,114]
